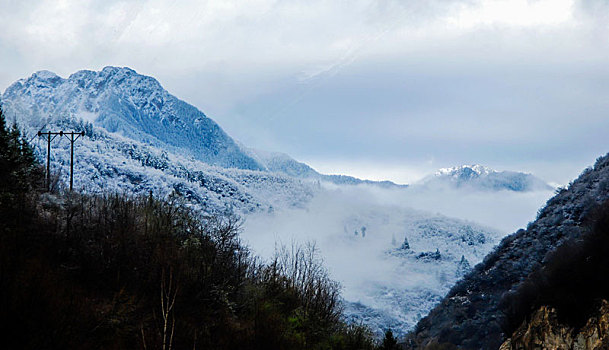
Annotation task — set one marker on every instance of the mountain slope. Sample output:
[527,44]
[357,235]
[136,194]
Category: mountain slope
[479,177]
[470,316]
[283,163]
[569,291]
[132,105]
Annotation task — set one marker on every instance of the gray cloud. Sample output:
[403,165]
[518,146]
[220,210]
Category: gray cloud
[512,84]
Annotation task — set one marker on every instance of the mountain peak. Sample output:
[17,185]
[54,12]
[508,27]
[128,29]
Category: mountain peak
[113,69]
[45,75]
[480,177]
[474,170]
[44,78]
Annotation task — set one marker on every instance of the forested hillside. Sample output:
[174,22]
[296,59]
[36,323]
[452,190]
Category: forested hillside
[472,316]
[114,272]
[563,304]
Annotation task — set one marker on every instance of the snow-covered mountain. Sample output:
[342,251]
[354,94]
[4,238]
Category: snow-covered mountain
[131,145]
[129,104]
[140,139]
[478,177]
[135,106]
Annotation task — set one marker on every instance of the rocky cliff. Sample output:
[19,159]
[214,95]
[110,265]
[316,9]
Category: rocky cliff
[544,331]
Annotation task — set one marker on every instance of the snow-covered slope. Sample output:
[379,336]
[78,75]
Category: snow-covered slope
[284,164]
[478,177]
[131,145]
[109,162]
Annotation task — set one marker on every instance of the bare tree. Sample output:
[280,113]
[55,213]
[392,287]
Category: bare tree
[169,291]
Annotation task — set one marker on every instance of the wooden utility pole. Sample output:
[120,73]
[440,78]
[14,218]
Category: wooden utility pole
[72,136]
[72,139]
[48,134]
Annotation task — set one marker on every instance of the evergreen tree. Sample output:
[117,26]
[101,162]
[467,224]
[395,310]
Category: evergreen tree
[19,170]
[437,255]
[389,342]
[4,147]
[463,267]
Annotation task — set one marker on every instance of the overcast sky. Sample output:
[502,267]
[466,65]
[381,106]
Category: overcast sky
[377,89]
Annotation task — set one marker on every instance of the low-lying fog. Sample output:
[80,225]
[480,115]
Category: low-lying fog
[359,229]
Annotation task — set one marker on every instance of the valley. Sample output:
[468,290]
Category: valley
[450,220]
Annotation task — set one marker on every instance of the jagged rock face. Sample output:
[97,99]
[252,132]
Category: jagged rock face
[543,332]
[470,316]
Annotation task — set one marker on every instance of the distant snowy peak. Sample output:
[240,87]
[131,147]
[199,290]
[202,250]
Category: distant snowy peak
[484,178]
[465,171]
[124,102]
